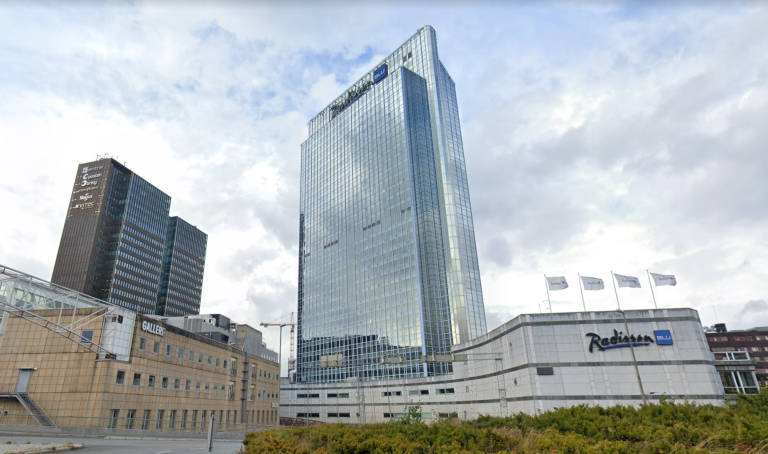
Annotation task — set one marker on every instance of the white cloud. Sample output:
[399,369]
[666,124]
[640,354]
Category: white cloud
[613,137]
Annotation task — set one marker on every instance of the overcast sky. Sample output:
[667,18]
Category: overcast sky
[605,137]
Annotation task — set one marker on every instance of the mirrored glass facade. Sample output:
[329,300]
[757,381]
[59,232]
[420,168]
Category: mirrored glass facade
[387,257]
[181,280]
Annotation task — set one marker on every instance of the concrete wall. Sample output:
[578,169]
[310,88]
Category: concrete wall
[501,376]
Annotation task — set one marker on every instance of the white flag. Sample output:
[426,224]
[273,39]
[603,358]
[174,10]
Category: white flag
[557,283]
[663,279]
[592,283]
[627,281]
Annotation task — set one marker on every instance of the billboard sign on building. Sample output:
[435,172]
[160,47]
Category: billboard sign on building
[663,337]
[620,340]
[152,328]
[380,73]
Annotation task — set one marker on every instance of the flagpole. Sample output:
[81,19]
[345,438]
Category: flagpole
[581,284]
[634,358]
[546,286]
[650,284]
[613,279]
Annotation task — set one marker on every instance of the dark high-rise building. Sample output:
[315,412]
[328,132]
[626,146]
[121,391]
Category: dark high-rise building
[114,237]
[387,258]
[181,281]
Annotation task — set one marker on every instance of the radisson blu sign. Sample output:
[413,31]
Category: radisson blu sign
[621,340]
[380,73]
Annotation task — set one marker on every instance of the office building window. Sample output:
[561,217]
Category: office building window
[129,419]
[145,420]
[86,337]
[113,414]
[418,392]
[160,415]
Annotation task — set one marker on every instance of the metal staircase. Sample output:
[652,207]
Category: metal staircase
[36,412]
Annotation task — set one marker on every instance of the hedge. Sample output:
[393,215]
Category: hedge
[665,427]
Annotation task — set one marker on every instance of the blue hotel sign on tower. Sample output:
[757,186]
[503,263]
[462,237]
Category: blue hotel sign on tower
[663,337]
[380,73]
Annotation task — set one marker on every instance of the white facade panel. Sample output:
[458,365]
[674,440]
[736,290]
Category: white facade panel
[539,362]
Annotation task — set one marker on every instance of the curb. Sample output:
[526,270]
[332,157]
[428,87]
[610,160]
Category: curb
[51,435]
[55,449]
[169,439]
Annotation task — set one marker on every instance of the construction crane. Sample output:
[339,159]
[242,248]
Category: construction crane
[291,359]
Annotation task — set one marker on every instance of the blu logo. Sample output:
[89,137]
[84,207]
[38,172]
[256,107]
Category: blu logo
[663,337]
[380,73]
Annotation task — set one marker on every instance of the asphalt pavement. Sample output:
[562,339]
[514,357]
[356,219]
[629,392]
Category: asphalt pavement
[132,446]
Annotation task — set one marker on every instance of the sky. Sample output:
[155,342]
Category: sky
[598,136]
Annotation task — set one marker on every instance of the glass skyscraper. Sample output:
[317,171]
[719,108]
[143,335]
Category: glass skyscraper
[181,281]
[387,257]
[114,240]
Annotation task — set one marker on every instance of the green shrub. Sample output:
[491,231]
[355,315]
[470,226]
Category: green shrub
[666,427]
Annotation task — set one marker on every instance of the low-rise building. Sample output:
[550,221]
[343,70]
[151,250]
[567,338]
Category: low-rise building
[531,364]
[70,360]
[753,341]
